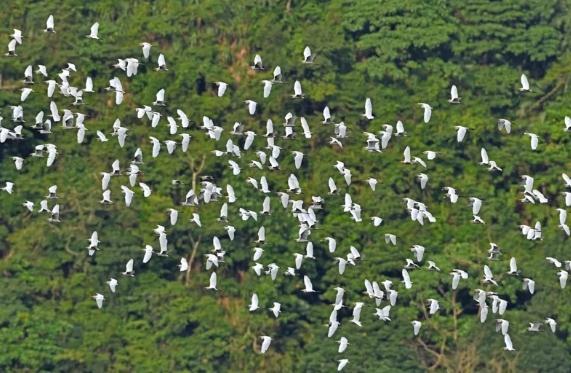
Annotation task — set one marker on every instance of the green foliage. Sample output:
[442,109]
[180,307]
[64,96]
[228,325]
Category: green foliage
[398,53]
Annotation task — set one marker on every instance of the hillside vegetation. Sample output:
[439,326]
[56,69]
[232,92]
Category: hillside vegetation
[398,53]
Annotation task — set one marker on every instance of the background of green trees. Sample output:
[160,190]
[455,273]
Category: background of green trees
[396,52]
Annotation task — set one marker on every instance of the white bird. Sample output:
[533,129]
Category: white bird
[553,261]
[476,205]
[368,109]
[504,124]
[18,162]
[343,343]
[562,216]
[333,325]
[391,238]
[513,267]
[148,253]
[267,88]
[129,268]
[251,106]
[258,252]
[432,266]
[377,221]
[160,98]
[342,364]
[17,35]
[183,266]
[163,244]
[400,129]
[308,285]
[12,48]
[460,133]
[383,313]
[524,84]
[494,166]
[433,306]
[423,179]
[212,283]
[416,325]
[29,205]
[454,99]
[331,243]
[128,195]
[427,111]
[173,216]
[418,250]
[484,156]
[99,298]
[357,313]
[406,155]
[94,241]
[146,49]
[266,341]
[502,325]
[93,33]
[563,275]
[508,343]
[307,56]
[106,197]
[529,284]
[534,140]
[253,303]
[28,75]
[406,279]
[276,309]
[221,88]
[196,219]
[54,218]
[112,284]
[50,24]
[161,63]
[297,92]
[488,276]
[258,65]
[326,115]
[277,75]
[551,323]
[457,274]
[42,70]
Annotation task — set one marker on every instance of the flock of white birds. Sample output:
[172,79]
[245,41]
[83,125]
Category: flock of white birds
[304,213]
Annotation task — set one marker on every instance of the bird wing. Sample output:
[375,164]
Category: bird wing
[368,107]
[524,82]
[50,22]
[213,280]
[297,88]
[306,53]
[508,341]
[161,94]
[94,29]
[267,89]
[406,278]
[453,92]
[488,272]
[484,155]
[307,283]
[406,154]
[427,113]
[455,280]
[513,265]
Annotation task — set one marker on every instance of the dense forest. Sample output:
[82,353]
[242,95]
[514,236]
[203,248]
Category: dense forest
[398,53]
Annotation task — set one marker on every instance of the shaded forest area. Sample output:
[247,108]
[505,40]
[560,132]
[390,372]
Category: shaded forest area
[398,53]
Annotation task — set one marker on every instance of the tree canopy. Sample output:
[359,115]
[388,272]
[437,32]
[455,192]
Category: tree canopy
[398,53]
